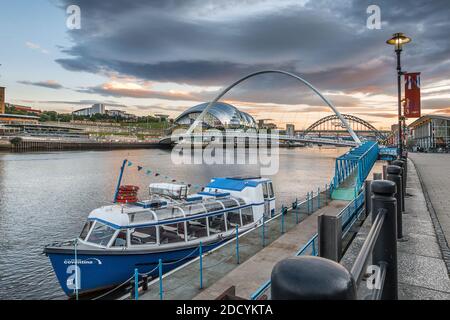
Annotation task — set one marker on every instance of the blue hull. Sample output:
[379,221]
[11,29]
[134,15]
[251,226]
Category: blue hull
[99,271]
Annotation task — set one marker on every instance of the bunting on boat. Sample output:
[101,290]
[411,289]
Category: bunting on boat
[149,172]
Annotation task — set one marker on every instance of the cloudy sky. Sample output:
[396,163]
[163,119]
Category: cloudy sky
[163,56]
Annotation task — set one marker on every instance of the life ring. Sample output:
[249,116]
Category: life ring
[128,188]
[127,194]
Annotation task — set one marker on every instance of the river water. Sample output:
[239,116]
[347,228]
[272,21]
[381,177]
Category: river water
[46,197]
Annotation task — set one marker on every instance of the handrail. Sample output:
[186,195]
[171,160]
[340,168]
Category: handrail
[380,245]
[367,248]
[309,243]
[255,295]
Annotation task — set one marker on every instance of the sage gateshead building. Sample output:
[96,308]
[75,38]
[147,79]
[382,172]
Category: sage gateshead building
[430,132]
[220,116]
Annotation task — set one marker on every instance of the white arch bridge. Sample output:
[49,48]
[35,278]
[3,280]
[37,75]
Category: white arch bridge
[250,138]
[191,134]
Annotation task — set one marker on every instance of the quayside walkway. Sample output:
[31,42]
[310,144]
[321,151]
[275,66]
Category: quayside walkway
[434,173]
[422,272]
[248,276]
[246,261]
[189,280]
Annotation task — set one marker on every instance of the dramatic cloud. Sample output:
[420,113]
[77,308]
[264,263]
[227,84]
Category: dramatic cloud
[51,84]
[115,89]
[212,43]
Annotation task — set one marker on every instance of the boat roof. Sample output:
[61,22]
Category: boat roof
[236,183]
[132,215]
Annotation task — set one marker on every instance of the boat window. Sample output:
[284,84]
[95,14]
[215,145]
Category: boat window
[247,215]
[241,201]
[143,235]
[171,233]
[121,239]
[101,234]
[141,217]
[229,203]
[86,228]
[193,209]
[196,229]
[271,193]
[265,192]
[168,213]
[216,224]
[213,206]
[233,219]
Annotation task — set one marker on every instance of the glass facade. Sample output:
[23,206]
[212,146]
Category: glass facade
[220,115]
[430,132]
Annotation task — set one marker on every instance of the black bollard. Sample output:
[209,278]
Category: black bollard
[132,289]
[385,249]
[367,197]
[311,278]
[145,282]
[329,237]
[405,173]
[393,174]
[401,164]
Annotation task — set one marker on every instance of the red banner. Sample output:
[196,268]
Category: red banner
[412,95]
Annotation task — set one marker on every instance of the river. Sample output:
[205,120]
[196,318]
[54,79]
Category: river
[46,197]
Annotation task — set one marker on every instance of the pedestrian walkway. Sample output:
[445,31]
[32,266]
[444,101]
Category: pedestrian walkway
[249,276]
[422,272]
[434,172]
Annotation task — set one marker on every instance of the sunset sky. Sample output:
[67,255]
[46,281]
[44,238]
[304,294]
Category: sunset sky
[160,56]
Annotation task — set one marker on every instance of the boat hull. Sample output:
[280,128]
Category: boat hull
[98,270]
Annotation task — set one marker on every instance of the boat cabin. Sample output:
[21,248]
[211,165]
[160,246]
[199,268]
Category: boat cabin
[224,205]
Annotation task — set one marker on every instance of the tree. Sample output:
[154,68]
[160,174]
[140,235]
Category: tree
[15,140]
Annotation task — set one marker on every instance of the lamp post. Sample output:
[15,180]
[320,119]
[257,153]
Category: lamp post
[398,40]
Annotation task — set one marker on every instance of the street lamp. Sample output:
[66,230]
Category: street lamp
[398,40]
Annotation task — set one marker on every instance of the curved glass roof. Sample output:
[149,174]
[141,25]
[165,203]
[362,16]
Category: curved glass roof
[223,112]
[183,210]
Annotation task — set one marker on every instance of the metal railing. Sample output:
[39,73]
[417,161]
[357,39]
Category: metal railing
[206,267]
[349,215]
[360,158]
[321,278]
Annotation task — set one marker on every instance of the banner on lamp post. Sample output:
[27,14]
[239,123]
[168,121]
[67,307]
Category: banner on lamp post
[412,95]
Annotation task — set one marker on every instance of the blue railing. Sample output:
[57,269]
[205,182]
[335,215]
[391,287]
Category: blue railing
[349,215]
[311,244]
[361,158]
[388,153]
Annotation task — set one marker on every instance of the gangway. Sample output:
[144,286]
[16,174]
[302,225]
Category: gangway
[351,170]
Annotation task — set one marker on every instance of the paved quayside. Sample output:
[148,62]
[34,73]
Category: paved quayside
[248,276]
[434,173]
[251,274]
[422,272]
